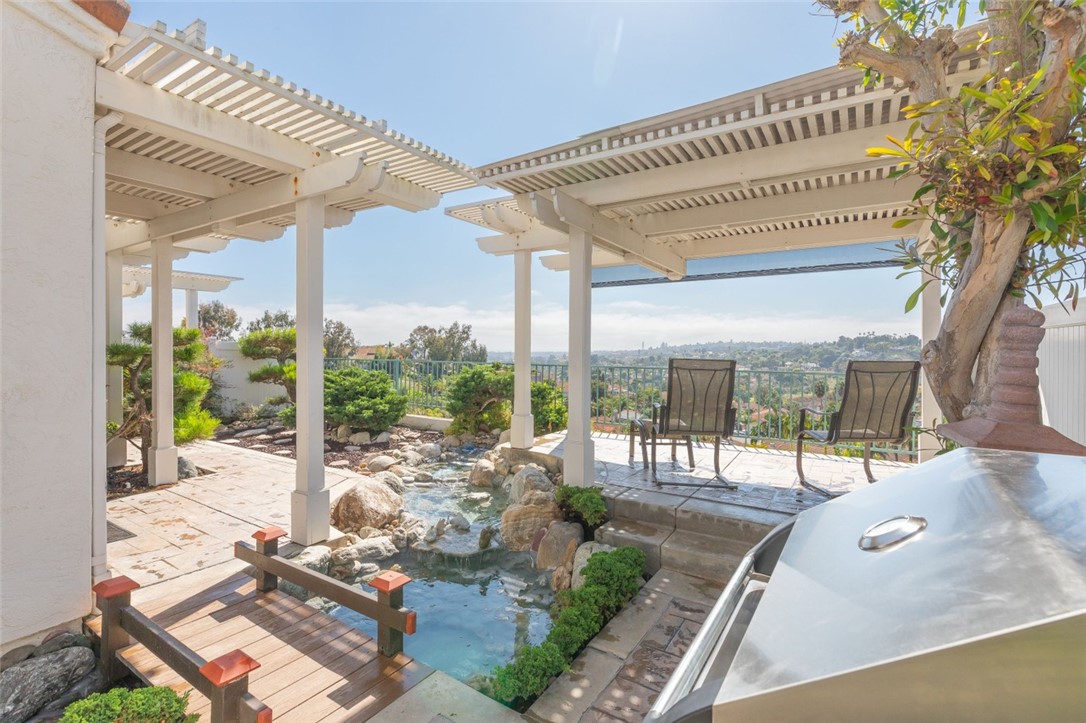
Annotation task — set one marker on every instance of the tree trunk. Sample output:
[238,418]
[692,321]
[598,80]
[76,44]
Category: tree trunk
[990,359]
[145,444]
[949,358]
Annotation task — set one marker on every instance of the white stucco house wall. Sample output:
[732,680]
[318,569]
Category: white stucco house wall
[46,326]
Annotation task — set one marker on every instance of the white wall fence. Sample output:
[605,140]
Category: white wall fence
[1063,371]
[237,390]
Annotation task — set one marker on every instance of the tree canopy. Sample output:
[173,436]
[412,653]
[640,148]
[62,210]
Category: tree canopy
[278,320]
[339,341]
[447,343]
[1000,159]
[218,321]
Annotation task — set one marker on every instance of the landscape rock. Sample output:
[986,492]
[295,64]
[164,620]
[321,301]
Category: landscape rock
[413,458]
[370,503]
[91,683]
[450,442]
[553,546]
[327,448]
[15,656]
[486,536]
[286,433]
[482,474]
[340,463]
[501,467]
[28,686]
[352,448]
[186,468]
[528,479]
[343,433]
[390,480]
[382,438]
[423,476]
[467,438]
[60,641]
[372,548]
[381,462]
[584,552]
[430,451]
[505,436]
[520,523]
[560,579]
[283,441]
[250,433]
[359,438]
[460,522]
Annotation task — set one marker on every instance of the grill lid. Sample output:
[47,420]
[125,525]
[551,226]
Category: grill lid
[972,544]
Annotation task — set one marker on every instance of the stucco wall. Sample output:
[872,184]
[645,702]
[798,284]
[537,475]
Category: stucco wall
[237,389]
[46,146]
[1062,370]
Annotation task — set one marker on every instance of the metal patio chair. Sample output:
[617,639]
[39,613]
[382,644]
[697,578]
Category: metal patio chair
[876,406]
[699,403]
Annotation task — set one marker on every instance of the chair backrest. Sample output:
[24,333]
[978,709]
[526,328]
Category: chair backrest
[699,395]
[877,403]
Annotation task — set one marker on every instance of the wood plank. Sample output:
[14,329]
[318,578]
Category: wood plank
[380,696]
[335,697]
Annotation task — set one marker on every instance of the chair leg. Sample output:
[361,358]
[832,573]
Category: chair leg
[690,452]
[867,463]
[654,478]
[674,456]
[644,450]
[803,480]
[716,466]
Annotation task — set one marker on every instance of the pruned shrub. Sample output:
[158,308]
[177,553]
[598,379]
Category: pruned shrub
[278,345]
[479,398]
[139,705]
[362,399]
[611,579]
[582,504]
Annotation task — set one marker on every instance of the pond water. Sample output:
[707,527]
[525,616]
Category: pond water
[472,614]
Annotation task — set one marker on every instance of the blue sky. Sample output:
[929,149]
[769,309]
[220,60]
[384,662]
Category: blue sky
[485,81]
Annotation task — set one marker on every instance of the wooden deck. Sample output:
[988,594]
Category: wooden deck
[313,667]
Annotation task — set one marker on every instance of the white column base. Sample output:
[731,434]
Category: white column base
[522,431]
[579,462]
[309,516]
[100,569]
[116,453]
[163,464]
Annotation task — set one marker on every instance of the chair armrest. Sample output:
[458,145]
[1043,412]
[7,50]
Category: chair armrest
[729,422]
[659,414]
[803,412]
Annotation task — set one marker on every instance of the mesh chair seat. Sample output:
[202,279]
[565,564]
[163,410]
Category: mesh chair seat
[699,404]
[876,406]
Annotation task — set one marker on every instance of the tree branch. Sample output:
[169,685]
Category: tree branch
[1065,40]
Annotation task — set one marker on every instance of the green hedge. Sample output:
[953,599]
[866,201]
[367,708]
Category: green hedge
[140,705]
[582,504]
[360,398]
[611,579]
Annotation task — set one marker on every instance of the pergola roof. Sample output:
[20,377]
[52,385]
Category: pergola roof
[200,126]
[776,168]
[137,279]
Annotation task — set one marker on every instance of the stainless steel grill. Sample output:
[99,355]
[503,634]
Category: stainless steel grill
[953,591]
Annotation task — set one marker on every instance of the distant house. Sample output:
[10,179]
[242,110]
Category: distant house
[367,352]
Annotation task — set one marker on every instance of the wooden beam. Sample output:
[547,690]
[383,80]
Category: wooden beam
[831,234]
[136,208]
[617,237]
[600,257]
[540,238]
[172,116]
[158,175]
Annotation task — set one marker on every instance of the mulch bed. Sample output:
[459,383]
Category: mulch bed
[125,481]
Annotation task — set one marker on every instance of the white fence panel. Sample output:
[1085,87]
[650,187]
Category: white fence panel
[237,389]
[1063,371]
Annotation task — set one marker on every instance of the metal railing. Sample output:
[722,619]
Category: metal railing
[768,401]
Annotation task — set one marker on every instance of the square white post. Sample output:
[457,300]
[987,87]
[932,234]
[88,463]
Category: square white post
[310,503]
[522,426]
[931,314]
[163,457]
[116,453]
[579,456]
[192,308]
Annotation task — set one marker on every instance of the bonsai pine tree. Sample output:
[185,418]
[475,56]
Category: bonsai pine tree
[278,345]
[1001,162]
[191,421]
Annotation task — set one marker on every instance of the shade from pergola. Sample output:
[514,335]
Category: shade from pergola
[771,180]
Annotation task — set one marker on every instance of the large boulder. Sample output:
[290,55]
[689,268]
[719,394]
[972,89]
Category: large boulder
[186,468]
[370,503]
[359,438]
[372,548]
[317,558]
[482,474]
[521,522]
[390,480]
[430,451]
[28,686]
[528,479]
[381,462]
[584,552]
[450,442]
[553,546]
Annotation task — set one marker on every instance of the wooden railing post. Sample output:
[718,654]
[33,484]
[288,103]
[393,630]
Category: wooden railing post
[389,586]
[229,674]
[112,596]
[267,544]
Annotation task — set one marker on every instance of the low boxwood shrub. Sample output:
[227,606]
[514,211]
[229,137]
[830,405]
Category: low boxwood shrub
[139,705]
[611,579]
[362,399]
[582,504]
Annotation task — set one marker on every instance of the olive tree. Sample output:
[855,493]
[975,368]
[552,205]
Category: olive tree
[1000,161]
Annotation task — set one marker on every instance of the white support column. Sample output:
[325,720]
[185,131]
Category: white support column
[579,454]
[163,457]
[310,504]
[931,415]
[192,308]
[522,427]
[116,452]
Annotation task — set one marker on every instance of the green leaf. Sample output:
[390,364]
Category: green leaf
[915,296]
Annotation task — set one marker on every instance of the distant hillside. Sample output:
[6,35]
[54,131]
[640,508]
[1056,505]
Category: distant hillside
[825,355]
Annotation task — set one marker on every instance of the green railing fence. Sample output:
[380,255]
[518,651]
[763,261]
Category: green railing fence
[768,401]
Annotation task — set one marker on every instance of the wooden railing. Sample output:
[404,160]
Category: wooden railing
[393,620]
[224,680]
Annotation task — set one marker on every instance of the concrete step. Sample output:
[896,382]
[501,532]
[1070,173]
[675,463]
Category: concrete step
[645,536]
[726,521]
[655,508]
[711,557]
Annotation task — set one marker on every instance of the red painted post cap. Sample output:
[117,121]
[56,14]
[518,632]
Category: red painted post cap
[389,581]
[115,586]
[264,716]
[228,668]
[410,624]
[269,533]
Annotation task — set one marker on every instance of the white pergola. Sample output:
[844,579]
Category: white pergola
[778,168]
[195,148]
[137,279]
